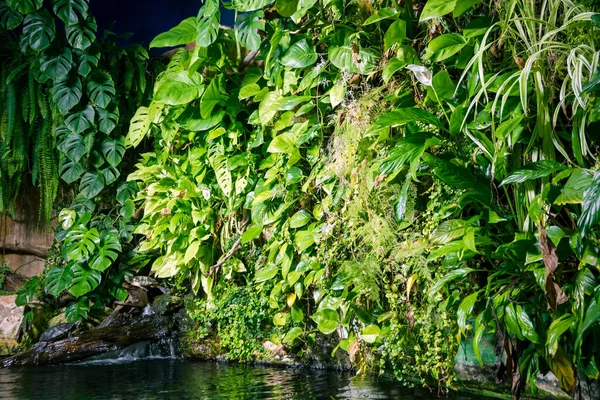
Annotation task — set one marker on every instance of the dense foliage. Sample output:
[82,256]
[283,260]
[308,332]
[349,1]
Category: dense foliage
[399,176]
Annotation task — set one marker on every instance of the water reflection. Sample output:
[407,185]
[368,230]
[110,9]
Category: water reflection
[179,379]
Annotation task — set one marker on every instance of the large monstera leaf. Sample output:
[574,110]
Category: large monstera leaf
[108,118]
[70,170]
[38,31]
[25,6]
[100,88]
[56,65]
[81,120]
[91,184]
[66,93]
[250,5]
[84,280]
[248,26]
[208,29]
[73,146]
[108,251]
[113,150]
[70,11]
[9,18]
[58,279]
[82,34]
[86,59]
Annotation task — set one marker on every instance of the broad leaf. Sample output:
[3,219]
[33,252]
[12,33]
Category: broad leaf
[108,118]
[73,146]
[403,116]
[82,34]
[183,33]
[208,29]
[70,170]
[138,128]
[179,88]
[444,46]
[211,97]
[292,334]
[25,6]
[300,55]
[113,150]
[100,88]
[56,65]
[9,18]
[91,184]
[536,170]
[81,120]
[353,59]
[84,280]
[248,26]
[57,280]
[70,11]
[590,216]
[38,30]
[436,8]
[67,92]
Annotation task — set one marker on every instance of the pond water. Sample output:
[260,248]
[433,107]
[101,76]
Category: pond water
[180,379]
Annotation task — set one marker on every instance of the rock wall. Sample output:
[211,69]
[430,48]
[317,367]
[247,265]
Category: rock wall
[24,244]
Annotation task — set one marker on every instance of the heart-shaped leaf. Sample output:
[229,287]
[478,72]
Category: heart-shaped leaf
[100,88]
[82,34]
[70,11]
[38,31]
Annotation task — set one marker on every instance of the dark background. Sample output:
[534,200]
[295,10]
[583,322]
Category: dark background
[146,19]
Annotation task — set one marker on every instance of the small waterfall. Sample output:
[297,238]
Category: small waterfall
[162,349]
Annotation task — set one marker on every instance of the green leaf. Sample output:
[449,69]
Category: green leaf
[462,6]
[248,26]
[57,280]
[251,233]
[82,34]
[67,218]
[38,30]
[249,90]
[292,334]
[297,315]
[73,146]
[9,18]
[436,8]
[343,57]
[108,251]
[77,310]
[557,328]
[56,66]
[591,206]
[100,88]
[128,209]
[280,319]
[396,33]
[183,33]
[208,29]
[249,5]
[265,273]
[327,320]
[403,116]
[91,184]
[337,93]
[286,8]
[70,170]
[370,333]
[511,320]
[526,326]
[67,92]
[113,150]
[81,120]
[126,191]
[269,106]
[138,128]
[284,143]
[444,46]
[211,97]
[191,252]
[535,170]
[300,55]
[86,59]
[70,11]
[84,280]
[108,118]
[179,88]
[408,149]
[400,209]
[449,277]
[381,14]
[223,174]
[477,27]
[443,86]
[572,191]
[300,219]
[25,6]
